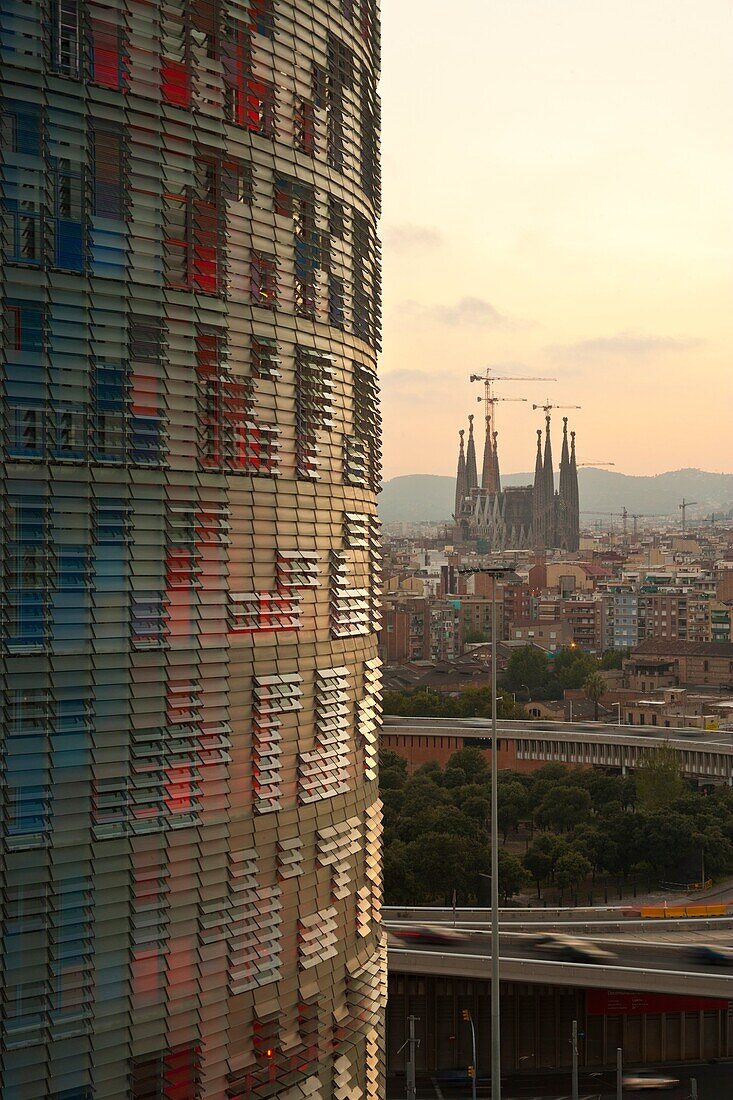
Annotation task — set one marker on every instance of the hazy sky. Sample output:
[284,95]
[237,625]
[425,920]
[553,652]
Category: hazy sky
[558,200]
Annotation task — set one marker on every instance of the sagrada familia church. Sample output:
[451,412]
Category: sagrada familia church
[527,517]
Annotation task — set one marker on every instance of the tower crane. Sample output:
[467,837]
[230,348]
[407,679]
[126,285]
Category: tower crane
[645,515]
[490,403]
[684,506]
[548,407]
[595,465]
[611,515]
[493,400]
[489,378]
[635,516]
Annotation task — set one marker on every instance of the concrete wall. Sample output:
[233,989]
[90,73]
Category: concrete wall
[537,1021]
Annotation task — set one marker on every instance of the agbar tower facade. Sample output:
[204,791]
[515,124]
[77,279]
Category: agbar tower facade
[190,430]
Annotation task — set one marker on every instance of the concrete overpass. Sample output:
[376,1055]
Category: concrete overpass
[703,754]
[653,1000]
[652,965]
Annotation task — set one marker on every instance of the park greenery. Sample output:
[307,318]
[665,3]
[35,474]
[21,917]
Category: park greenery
[471,703]
[562,829]
[531,674]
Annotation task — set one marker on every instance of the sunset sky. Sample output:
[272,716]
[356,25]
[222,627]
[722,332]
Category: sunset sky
[558,200]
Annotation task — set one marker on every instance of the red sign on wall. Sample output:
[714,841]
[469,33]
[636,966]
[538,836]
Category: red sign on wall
[611,1002]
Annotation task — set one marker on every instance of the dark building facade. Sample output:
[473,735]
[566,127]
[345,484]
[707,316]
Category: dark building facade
[190,285]
[518,517]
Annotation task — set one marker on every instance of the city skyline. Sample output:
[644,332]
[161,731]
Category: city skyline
[576,224]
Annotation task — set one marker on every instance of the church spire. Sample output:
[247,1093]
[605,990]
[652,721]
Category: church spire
[563,511]
[538,497]
[564,457]
[487,471]
[547,464]
[548,477]
[460,477]
[471,471]
[495,462]
[573,500]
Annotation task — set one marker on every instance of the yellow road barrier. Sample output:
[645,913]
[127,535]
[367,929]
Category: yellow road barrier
[658,912]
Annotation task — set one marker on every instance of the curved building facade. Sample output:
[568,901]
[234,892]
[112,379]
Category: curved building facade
[190,433]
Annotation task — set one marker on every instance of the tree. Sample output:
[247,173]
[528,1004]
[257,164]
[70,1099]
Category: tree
[527,670]
[425,704]
[513,877]
[669,845]
[432,770]
[442,864]
[603,788]
[542,856]
[564,807]
[572,666]
[435,825]
[659,780]
[392,771]
[596,844]
[478,807]
[625,845]
[513,806]
[400,886]
[472,762]
[613,658]
[474,702]
[571,869]
[393,702]
[594,687]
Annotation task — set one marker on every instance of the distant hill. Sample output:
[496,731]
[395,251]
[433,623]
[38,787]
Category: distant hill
[429,497]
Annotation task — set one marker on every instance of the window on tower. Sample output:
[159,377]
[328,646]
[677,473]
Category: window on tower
[107,172]
[146,390]
[263,280]
[66,37]
[106,48]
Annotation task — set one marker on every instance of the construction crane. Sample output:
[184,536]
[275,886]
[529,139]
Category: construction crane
[625,514]
[548,407]
[636,516]
[611,515]
[490,410]
[595,465]
[488,380]
[645,515]
[684,506]
[491,401]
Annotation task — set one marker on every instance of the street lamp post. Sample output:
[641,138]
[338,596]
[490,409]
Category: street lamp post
[495,572]
[466,1014]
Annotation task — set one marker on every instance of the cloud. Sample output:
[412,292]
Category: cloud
[419,387]
[470,312]
[406,236]
[625,345]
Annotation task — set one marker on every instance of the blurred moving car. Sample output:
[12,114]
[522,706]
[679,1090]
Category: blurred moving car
[427,933]
[571,949]
[708,955]
[647,1080]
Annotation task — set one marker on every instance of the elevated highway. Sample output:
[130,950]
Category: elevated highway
[703,754]
[653,998]
[649,965]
